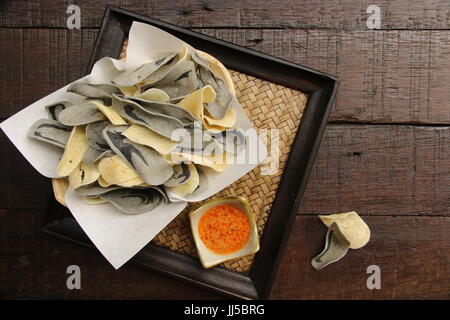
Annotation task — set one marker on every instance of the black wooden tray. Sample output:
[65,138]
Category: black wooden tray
[321,89]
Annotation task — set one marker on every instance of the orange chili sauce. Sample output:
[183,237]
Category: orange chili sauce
[224,229]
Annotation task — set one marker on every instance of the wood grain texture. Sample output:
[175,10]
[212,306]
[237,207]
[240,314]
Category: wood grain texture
[376,170]
[22,187]
[36,62]
[33,265]
[321,14]
[412,253]
[396,176]
[381,170]
[386,76]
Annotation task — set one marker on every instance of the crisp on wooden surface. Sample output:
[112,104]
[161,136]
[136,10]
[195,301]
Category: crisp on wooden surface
[385,154]
[33,265]
[412,253]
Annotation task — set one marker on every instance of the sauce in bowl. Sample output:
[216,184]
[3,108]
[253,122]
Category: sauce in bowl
[224,229]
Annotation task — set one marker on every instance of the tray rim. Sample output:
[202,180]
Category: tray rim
[321,88]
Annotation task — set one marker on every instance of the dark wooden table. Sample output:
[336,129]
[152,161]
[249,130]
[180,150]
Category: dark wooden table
[385,152]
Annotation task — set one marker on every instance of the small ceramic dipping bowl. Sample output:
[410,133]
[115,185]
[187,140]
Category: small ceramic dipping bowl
[208,257]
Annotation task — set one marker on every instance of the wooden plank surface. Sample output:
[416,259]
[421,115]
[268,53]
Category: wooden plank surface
[377,86]
[386,76]
[376,170]
[376,157]
[33,265]
[399,245]
[320,14]
[22,186]
[381,170]
[36,62]
[412,253]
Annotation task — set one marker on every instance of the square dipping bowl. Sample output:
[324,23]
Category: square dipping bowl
[208,258]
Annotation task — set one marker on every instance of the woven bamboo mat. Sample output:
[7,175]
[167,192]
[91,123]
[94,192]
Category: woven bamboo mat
[268,106]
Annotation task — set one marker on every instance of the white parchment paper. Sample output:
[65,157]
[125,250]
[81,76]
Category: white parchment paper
[118,236]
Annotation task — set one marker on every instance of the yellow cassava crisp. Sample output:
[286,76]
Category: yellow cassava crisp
[351,226]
